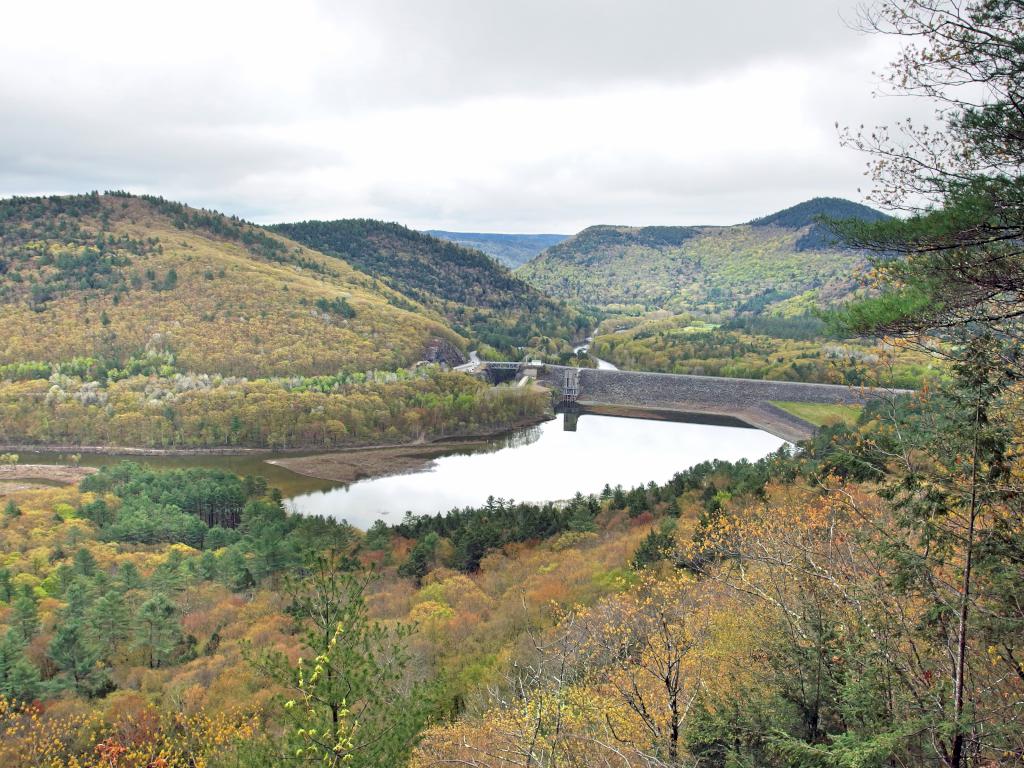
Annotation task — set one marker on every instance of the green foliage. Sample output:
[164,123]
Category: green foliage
[820,414]
[683,345]
[349,704]
[474,532]
[955,264]
[157,631]
[19,677]
[106,277]
[716,272]
[478,296]
[336,306]
[816,215]
[659,545]
[341,410]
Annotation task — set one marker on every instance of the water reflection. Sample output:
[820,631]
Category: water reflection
[542,463]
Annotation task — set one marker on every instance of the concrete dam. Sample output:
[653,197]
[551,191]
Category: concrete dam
[707,399]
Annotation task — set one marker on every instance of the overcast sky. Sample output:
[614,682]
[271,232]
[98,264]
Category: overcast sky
[478,115]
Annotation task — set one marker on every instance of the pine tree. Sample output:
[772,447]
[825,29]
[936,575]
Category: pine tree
[19,678]
[25,617]
[157,631]
[75,655]
[347,704]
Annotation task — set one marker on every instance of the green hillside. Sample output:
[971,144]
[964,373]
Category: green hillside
[131,321]
[781,264]
[478,296]
[113,277]
[511,250]
[810,214]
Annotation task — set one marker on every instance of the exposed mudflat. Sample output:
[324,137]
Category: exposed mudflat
[23,477]
[359,464]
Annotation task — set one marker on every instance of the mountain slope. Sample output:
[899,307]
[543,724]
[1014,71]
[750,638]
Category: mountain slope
[781,264]
[809,213]
[511,250]
[478,296]
[117,278]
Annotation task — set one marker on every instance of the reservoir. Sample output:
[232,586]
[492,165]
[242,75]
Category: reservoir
[540,463]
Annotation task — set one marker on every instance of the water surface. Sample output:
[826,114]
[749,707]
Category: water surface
[539,463]
[542,463]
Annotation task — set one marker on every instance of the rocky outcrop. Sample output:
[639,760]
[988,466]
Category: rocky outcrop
[443,351]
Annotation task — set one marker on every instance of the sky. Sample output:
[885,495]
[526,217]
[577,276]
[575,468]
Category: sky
[471,115]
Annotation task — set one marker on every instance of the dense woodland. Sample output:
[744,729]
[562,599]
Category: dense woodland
[477,295]
[140,322]
[851,603]
[113,277]
[160,409]
[711,272]
[760,347]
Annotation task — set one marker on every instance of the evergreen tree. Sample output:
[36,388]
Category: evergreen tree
[417,564]
[109,622]
[78,657]
[84,563]
[19,678]
[960,263]
[128,577]
[25,616]
[157,631]
[6,585]
[234,571]
[348,704]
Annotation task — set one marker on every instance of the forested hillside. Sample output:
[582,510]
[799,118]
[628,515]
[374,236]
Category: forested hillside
[140,322]
[783,263]
[812,216]
[478,296]
[511,250]
[783,349]
[113,277]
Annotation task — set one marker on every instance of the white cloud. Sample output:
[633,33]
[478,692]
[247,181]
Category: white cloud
[462,114]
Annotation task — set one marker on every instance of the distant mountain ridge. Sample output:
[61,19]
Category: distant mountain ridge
[471,290]
[782,263]
[510,249]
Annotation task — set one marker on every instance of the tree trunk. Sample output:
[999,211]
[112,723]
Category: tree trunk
[957,748]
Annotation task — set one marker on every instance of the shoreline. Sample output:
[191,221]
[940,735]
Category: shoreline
[125,450]
[340,465]
[357,464]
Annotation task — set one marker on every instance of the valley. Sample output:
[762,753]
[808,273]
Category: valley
[729,474]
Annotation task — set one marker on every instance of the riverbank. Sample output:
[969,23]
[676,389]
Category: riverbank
[128,451]
[360,464]
[354,464]
[333,466]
